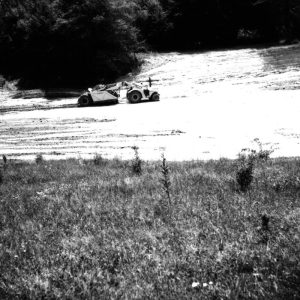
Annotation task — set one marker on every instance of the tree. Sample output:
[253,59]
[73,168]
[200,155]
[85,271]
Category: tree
[282,16]
[65,42]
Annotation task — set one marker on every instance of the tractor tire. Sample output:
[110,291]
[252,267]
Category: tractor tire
[84,100]
[154,97]
[134,97]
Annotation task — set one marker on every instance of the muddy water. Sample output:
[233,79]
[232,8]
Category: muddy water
[212,105]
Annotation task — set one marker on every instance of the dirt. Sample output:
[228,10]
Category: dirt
[212,105]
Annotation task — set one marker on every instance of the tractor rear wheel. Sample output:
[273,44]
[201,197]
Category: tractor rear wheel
[84,101]
[134,97]
[154,97]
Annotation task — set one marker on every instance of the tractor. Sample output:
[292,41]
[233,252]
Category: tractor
[110,93]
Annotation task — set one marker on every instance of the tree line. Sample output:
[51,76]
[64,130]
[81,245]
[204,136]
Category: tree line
[64,42]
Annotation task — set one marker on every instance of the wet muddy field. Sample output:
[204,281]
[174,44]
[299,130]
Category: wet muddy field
[212,105]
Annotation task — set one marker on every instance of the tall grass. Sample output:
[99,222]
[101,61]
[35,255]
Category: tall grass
[165,180]
[76,230]
[137,162]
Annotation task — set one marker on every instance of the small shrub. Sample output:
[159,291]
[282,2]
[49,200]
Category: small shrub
[247,161]
[262,154]
[137,162]
[98,160]
[5,163]
[285,182]
[39,159]
[265,222]
[244,174]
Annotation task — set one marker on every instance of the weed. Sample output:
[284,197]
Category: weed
[165,180]
[244,174]
[265,222]
[4,168]
[137,162]
[39,159]
[262,154]
[98,160]
[247,161]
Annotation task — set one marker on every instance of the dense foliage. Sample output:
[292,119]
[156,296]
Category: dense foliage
[65,41]
[72,42]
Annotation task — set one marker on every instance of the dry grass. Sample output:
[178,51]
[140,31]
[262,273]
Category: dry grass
[93,229]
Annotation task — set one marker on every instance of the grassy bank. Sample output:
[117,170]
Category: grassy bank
[131,229]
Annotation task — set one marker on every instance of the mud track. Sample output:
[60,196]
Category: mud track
[212,105]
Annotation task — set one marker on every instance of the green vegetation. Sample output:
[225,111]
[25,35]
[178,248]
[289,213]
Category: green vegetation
[79,42]
[137,162]
[65,42]
[91,228]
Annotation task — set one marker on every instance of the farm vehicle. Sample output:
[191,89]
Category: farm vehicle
[110,93]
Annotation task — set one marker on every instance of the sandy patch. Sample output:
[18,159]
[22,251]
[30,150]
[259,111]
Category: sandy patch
[212,105]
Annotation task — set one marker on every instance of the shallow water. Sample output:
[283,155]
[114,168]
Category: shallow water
[212,105]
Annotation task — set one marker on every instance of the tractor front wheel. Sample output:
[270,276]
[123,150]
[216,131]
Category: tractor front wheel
[154,97]
[134,97]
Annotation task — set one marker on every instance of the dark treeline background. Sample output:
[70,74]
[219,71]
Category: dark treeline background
[78,42]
